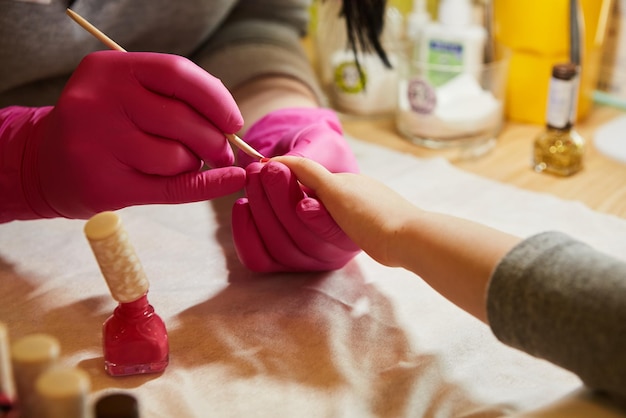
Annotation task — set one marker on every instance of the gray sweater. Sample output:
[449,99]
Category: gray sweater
[559,299]
[233,40]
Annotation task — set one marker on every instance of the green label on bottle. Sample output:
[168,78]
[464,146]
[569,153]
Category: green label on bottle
[448,57]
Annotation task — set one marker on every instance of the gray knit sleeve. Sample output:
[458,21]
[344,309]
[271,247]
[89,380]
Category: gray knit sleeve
[559,299]
[259,39]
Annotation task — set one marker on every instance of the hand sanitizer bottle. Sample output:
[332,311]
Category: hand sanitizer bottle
[454,40]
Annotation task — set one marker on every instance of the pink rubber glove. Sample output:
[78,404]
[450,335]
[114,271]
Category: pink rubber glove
[277,227]
[314,133]
[128,129]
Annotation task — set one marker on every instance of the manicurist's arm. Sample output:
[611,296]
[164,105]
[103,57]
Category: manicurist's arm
[263,95]
[258,54]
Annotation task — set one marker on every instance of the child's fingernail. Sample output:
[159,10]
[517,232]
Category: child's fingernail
[264,160]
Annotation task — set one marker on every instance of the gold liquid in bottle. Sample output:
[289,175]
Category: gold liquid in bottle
[560,149]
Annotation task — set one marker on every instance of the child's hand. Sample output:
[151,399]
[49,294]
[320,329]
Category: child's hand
[369,212]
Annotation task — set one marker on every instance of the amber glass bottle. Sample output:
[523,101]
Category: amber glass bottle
[559,149]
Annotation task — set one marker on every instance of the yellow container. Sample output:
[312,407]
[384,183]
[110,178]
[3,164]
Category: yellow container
[537,33]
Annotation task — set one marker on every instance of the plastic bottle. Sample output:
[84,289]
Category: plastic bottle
[370,91]
[454,40]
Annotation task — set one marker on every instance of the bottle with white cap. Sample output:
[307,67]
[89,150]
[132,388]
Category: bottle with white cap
[358,82]
[453,40]
[134,337]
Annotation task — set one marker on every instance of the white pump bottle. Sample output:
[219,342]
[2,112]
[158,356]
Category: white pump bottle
[454,39]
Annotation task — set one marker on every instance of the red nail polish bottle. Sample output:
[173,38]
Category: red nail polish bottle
[135,340]
[134,337]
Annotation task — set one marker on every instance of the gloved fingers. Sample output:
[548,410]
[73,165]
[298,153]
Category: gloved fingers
[151,154]
[172,119]
[183,188]
[317,218]
[205,185]
[249,245]
[285,195]
[136,188]
[177,77]
[270,224]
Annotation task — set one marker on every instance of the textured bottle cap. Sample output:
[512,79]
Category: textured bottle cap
[7,384]
[117,405]
[116,257]
[62,392]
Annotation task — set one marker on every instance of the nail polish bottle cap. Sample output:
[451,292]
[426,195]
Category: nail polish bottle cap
[116,257]
[32,355]
[62,392]
[117,405]
[7,384]
[35,349]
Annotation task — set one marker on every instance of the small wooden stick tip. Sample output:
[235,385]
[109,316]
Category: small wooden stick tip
[242,145]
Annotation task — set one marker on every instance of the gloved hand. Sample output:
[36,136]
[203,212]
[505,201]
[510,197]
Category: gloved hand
[128,129]
[313,133]
[277,227]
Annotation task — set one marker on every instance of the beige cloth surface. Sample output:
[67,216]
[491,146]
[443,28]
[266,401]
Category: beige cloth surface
[365,341]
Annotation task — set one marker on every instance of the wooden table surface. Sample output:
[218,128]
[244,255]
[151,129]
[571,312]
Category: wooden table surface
[601,185]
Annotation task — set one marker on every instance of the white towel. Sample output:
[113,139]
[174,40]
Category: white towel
[365,341]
